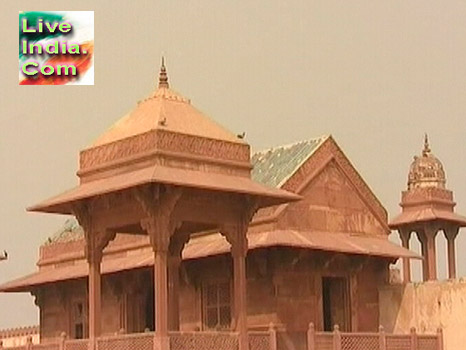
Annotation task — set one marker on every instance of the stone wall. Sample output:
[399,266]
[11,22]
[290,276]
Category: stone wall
[331,203]
[284,287]
[426,306]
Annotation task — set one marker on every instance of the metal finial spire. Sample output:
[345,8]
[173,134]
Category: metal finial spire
[426,149]
[163,78]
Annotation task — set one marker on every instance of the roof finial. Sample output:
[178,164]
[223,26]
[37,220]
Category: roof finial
[426,149]
[163,78]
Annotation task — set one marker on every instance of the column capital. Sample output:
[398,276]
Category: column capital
[405,233]
[451,231]
[426,235]
[236,235]
[96,237]
[158,204]
[83,213]
[96,241]
[236,232]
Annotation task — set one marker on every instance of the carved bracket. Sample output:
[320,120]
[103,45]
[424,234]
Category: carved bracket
[405,235]
[158,204]
[236,233]
[451,232]
[97,238]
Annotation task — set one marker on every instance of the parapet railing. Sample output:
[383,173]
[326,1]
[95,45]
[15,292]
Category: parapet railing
[337,340]
[270,339]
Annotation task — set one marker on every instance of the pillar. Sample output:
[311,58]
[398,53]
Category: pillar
[176,246]
[97,238]
[159,233]
[239,285]
[450,235]
[94,260]
[431,254]
[174,263]
[96,241]
[236,236]
[160,225]
[429,266]
[161,341]
[422,239]
[405,235]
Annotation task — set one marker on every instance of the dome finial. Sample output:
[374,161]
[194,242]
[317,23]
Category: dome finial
[163,78]
[426,149]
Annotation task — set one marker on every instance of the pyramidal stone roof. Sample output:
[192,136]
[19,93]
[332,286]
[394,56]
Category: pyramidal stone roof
[165,140]
[165,110]
[271,167]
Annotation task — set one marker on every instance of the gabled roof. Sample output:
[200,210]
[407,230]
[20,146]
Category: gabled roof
[274,166]
[291,168]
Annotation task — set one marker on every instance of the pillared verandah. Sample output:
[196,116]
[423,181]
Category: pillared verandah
[165,170]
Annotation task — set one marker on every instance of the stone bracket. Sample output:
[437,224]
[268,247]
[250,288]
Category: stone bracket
[97,238]
[158,204]
[235,233]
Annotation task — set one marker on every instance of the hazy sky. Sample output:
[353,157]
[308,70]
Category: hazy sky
[374,74]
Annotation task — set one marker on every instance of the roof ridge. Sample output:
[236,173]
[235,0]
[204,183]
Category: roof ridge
[289,145]
[275,166]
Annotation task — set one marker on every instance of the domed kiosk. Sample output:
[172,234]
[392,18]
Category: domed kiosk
[427,208]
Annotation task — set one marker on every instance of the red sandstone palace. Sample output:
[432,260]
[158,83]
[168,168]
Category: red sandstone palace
[181,235]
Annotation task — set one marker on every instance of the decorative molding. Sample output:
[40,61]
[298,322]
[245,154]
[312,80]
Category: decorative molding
[427,194]
[145,143]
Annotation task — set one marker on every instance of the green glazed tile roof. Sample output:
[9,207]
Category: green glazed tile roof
[70,231]
[271,167]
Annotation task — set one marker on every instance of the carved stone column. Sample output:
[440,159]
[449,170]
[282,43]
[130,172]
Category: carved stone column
[97,238]
[159,237]
[176,246]
[427,237]
[160,226]
[174,263]
[423,240]
[450,234]
[94,260]
[405,235]
[431,233]
[236,236]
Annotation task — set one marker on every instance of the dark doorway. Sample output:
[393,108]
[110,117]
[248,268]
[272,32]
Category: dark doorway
[336,304]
